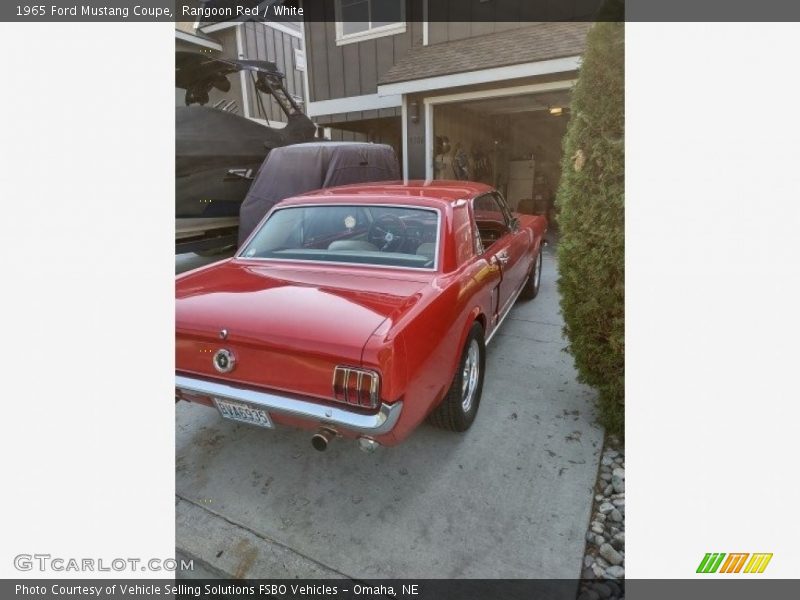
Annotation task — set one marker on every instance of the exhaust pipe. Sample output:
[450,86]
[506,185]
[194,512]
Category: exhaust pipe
[322,438]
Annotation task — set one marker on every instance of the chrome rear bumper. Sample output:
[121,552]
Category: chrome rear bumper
[296,406]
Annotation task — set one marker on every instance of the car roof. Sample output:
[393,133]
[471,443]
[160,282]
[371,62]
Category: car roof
[437,191]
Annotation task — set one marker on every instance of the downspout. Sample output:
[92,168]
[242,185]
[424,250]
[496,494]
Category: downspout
[404,132]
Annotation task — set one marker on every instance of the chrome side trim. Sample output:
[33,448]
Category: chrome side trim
[507,312]
[296,406]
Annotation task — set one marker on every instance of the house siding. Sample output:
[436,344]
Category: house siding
[452,20]
[459,30]
[473,18]
[352,69]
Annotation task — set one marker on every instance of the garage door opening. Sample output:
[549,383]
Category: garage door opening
[513,143]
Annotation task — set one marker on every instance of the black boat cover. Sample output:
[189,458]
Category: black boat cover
[294,170]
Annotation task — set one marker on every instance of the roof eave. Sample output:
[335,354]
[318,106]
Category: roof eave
[564,64]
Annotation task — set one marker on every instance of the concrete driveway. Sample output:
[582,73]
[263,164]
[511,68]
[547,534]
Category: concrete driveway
[509,499]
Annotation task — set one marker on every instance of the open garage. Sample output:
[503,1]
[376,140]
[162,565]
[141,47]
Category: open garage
[511,142]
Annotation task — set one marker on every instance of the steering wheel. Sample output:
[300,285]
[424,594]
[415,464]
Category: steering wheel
[387,233]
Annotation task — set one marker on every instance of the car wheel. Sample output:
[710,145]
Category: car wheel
[460,405]
[531,288]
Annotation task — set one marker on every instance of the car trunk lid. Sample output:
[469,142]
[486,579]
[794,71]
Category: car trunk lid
[287,327]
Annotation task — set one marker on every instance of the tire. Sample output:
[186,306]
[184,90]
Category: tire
[460,404]
[534,282]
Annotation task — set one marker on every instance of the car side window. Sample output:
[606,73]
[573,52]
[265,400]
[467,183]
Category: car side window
[504,207]
[489,208]
[492,221]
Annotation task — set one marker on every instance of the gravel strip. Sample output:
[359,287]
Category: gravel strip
[604,561]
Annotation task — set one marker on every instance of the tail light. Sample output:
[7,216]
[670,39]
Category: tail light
[356,387]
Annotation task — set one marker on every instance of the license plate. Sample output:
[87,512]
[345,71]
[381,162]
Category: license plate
[243,413]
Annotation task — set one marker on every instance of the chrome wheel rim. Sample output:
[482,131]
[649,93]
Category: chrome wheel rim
[537,270]
[469,376]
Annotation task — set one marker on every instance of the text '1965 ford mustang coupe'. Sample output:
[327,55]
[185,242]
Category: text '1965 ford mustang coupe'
[358,311]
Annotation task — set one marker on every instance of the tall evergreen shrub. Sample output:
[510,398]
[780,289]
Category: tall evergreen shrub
[591,204]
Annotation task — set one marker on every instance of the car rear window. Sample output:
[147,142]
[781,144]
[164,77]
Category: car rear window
[378,235]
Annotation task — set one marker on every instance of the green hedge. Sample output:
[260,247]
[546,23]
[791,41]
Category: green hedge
[591,206]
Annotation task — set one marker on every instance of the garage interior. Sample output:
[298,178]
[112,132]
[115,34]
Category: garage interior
[513,143]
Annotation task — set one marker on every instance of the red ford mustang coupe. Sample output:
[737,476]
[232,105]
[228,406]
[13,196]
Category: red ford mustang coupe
[358,311]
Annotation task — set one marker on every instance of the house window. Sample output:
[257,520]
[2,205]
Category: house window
[359,20]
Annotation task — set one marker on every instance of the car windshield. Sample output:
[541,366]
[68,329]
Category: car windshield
[360,234]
